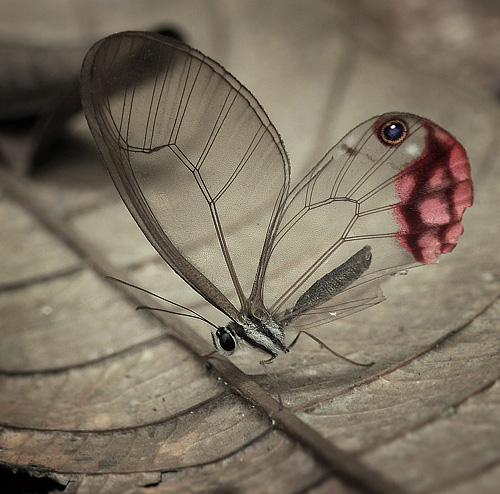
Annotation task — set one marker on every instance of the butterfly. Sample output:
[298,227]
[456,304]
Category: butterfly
[205,175]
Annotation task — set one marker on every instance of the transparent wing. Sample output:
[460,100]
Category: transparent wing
[369,209]
[193,155]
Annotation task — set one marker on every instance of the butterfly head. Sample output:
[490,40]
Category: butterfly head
[259,333]
[224,340]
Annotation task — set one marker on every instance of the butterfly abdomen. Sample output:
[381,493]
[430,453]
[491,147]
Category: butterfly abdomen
[335,281]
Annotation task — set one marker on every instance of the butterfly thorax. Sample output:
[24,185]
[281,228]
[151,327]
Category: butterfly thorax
[259,332]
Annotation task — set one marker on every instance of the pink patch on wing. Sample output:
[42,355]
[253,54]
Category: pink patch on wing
[437,178]
[406,184]
[452,234]
[459,164]
[462,197]
[434,212]
[434,190]
[401,220]
[430,247]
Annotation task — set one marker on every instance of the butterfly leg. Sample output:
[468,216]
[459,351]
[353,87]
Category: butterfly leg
[326,347]
[272,379]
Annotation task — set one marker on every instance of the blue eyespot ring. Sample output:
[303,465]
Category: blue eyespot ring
[393,132]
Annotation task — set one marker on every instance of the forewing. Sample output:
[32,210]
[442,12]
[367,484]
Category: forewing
[366,211]
[193,155]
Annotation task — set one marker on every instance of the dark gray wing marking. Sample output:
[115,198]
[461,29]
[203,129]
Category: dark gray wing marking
[332,283]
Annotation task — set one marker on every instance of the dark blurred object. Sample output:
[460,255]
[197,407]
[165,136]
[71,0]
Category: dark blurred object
[42,45]
[171,32]
[33,77]
[38,93]
[22,482]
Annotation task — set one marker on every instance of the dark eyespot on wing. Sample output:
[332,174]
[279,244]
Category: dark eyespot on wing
[391,131]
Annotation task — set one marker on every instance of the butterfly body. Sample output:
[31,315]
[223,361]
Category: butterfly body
[205,175]
[261,333]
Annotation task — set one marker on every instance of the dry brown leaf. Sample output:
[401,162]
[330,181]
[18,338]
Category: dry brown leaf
[107,399]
